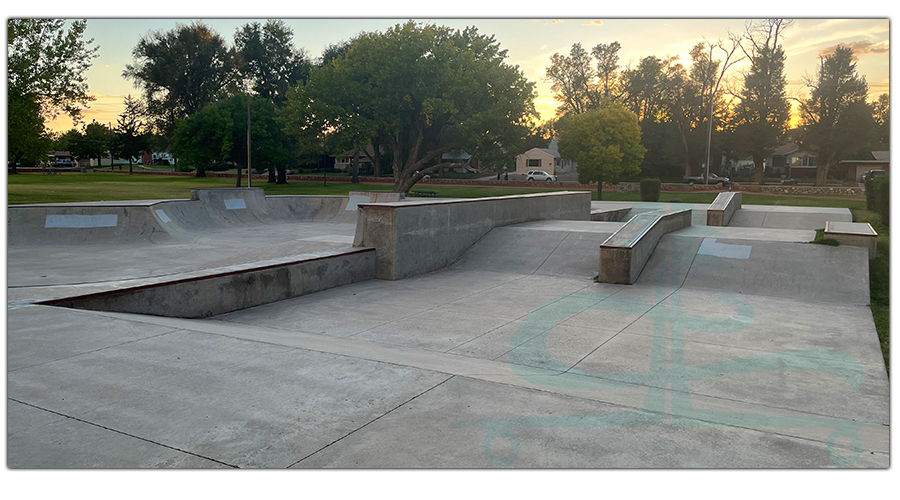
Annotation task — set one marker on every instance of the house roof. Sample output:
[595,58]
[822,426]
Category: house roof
[785,149]
[882,155]
[552,152]
[456,154]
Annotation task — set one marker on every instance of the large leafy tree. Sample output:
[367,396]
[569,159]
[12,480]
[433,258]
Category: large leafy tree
[269,59]
[423,90]
[605,142]
[763,111]
[180,71]
[574,81]
[218,134]
[836,118]
[28,141]
[130,137]
[47,60]
[95,141]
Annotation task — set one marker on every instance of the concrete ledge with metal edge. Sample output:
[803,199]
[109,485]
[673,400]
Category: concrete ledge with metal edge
[722,209]
[210,292]
[416,238]
[857,234]
[625,253]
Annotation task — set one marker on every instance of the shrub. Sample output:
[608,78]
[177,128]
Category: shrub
[650,189]
[881,198]
[870,195]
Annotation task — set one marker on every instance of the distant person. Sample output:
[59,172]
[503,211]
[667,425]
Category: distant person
[506,176]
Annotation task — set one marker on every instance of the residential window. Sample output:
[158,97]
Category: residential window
[809,161]
[536,162]
[796,161]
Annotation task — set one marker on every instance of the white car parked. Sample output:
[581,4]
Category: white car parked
[539,175]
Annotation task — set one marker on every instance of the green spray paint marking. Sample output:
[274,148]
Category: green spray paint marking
[529,349]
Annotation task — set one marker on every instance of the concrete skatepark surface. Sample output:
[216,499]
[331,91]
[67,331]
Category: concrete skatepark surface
[739,346]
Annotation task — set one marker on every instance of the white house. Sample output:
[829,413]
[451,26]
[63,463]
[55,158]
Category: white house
[546,159]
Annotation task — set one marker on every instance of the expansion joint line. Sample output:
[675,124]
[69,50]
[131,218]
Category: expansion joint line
[124,433]
[426,391]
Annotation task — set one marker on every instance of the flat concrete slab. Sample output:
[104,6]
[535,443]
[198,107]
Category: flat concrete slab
[736,348]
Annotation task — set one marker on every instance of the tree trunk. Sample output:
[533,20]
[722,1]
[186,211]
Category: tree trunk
[14,171]
[201,172]
[822,175]
[272,179]
[130,170]
[600,188]
[758,170]
[355,179]
[376,161]
[238,180]
[282,174]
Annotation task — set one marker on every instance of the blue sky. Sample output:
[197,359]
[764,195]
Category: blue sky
[530,43]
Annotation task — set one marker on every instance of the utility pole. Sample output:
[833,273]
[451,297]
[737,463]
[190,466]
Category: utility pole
[249,177]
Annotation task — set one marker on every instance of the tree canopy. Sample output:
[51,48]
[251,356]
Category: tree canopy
[47,61]
[836,118]
[424,90]
[268,58]
[217,135]
[182,70]
[604,142]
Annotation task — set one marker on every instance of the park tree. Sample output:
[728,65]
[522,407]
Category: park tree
[607,55]
[573,81]
[763,111]
[95,141]
[605,143]
[217,134]
[423,90]
[47,61]
[835,118]
[28,140]
[268,58]
[180,71]
[130,137]
[881,113]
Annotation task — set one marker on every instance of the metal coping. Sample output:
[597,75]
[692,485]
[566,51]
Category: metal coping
[721,202]
[828,229]
[633,239]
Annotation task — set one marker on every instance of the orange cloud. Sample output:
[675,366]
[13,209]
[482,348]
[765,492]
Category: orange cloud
[859,48]
[592,23]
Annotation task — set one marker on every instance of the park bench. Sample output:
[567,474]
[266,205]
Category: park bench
[420,193]
[51,170]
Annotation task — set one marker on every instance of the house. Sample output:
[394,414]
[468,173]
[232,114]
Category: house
[546,159]
[344,161]
[790,162]
[881,160]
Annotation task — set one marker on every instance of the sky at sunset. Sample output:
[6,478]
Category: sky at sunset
[530,43]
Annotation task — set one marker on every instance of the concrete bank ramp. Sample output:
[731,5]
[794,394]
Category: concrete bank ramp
[801,271]
[164,221]
[550,247]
